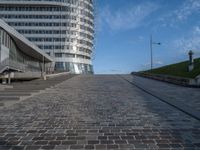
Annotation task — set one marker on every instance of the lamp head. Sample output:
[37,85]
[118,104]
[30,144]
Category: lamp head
[191,52]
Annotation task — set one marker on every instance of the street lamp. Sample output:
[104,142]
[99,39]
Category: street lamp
[151,49]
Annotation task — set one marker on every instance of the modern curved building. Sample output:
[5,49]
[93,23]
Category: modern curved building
[64,29]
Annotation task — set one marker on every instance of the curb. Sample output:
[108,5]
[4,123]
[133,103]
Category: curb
[186,82]
[192,113]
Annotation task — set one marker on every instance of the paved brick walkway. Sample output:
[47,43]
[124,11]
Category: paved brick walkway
[96,112]
[189,98]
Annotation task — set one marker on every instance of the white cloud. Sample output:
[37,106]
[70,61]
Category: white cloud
[187,9]
[190,42]
[128,18]
[181,14]
[197,30]
[136,40]
[156,63]
[140,38]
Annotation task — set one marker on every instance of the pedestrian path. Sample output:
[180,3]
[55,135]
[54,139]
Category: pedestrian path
[185,97]
[96,112]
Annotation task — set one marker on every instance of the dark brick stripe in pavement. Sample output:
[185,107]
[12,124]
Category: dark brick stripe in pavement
[96,112]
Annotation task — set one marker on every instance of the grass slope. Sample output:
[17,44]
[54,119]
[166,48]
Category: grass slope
[179,69]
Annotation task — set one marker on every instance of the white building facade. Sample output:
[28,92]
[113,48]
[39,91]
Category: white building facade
[64,29]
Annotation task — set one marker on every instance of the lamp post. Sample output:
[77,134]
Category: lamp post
[191,61]
[151,49]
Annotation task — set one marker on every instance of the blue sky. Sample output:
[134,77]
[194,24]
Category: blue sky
[123,29]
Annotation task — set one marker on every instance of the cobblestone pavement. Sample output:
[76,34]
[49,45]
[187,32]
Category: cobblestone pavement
[185,95]
[96,112]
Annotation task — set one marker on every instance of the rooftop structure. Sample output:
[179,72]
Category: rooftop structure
[17,54]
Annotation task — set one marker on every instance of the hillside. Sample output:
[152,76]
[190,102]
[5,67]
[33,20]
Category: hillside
[178,69]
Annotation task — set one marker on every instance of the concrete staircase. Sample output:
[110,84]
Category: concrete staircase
[18,90]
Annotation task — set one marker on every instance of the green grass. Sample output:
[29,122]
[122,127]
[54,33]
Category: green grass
[179,69]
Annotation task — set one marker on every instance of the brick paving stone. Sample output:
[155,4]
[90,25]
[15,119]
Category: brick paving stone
[3,142]
[41,142]
[114,137]
[113,146]
[76,138]
[197,145]
[61,138]
[38,138]
[89,147]
[27,142]
[49,138]
[127,137]
[76,147]
[93,131]
[102,137]
[126,146]
[163,145]
[62,147]
[12,143]
[69,142]
[120,142]
[32,147]
[175,145]
[84,142]
[142,146]
[48,147]
[100,146]
[106,142]
[93,142]
[96,112]
[54,142]
[134,141]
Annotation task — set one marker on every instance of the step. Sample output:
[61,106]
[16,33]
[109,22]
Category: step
[6,98]
[31,86]
[14,94]
[27,88]
[22,90]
